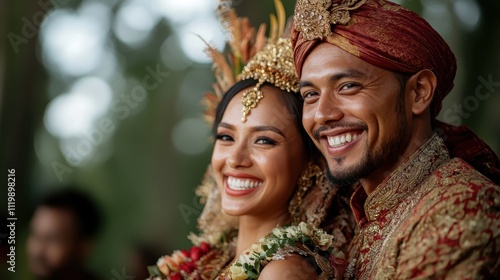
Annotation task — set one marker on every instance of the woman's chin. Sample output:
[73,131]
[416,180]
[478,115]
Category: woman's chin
[235,208]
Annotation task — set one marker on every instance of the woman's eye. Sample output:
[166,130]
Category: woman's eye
[223,137]
[265,141]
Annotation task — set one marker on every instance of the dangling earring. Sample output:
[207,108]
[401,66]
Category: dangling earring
[308,178]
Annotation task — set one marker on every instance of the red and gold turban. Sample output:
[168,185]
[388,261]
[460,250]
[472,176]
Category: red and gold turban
[396,39]
[379,32]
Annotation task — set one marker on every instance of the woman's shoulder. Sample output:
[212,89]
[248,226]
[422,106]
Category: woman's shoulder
[291,252]
[291,267]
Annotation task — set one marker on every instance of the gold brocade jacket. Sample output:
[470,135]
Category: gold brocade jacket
[433,218]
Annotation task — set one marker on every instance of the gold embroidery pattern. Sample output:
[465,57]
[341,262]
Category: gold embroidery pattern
[406,178]
[452,233]
[443,222]
[391,203]
[314,17]
[273,64]
[314,175]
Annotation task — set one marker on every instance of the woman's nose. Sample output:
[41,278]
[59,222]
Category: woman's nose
[239,157]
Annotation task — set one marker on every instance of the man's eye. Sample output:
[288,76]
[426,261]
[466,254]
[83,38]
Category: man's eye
[348,86]
[309,94]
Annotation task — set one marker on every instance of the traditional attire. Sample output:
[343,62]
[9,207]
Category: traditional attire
[434,217]
[437,215]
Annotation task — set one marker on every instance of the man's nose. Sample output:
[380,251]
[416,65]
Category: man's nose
[328,109]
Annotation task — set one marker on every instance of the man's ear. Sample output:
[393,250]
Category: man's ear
[422,86]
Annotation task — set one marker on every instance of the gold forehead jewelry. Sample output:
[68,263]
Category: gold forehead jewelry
[274,65]
[251,56]
[314,17]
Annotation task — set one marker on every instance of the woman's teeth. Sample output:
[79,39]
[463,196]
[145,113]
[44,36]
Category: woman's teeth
[335,141]
[242,184]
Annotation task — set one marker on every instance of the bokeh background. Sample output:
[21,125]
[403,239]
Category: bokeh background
[104,95]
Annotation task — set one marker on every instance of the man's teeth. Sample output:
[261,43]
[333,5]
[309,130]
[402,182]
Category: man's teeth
[242,184]
[338,140]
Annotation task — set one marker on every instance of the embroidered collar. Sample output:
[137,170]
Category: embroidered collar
[401,183]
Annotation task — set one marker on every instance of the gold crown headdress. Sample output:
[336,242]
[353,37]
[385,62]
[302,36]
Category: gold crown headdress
[251,55]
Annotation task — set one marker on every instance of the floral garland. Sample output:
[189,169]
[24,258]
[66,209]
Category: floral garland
[204,259]
[181,263]
[210,254]
[273,246]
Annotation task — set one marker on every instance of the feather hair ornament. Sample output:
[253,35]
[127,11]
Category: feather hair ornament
[244,43]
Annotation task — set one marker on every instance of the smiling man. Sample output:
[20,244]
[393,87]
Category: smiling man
[373,76]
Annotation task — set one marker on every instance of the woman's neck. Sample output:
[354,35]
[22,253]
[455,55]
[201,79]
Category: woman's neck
[252,228]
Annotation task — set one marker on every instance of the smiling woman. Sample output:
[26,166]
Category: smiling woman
[263,164]
[257,161]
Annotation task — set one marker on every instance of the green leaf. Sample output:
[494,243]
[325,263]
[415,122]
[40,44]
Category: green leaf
[252,275]
[154,271]
[257,266]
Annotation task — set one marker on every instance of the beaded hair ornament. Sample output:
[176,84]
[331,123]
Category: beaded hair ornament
[251,56]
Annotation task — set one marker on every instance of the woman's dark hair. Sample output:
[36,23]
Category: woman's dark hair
[293,101]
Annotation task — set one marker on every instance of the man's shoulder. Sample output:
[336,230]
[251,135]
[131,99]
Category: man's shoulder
[455,224]
[457,176]
[458,187]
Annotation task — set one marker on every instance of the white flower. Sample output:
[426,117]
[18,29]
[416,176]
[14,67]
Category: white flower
[246,258]
[325,241]
[305,229]
[237,273]
[292,233]
[277,232]
[256,248]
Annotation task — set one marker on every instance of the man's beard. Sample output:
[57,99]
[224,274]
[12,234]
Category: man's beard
[372,160]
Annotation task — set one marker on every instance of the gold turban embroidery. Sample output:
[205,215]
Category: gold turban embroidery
[314,17]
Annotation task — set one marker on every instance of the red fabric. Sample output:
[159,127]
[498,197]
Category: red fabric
[462,142]
[393,38]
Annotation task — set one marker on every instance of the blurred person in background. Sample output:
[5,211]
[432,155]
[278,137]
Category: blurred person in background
[62,234]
